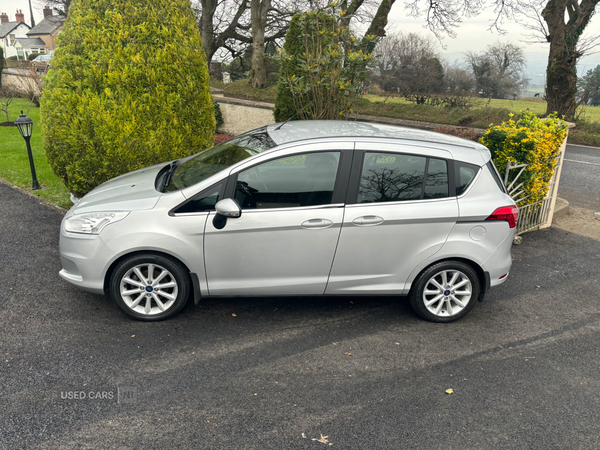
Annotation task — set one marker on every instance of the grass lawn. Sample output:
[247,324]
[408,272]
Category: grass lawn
[14,163]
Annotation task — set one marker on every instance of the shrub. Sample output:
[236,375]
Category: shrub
[293,45]
[530,140]
[32,56]
[322,69]
[218,114]
[128,88]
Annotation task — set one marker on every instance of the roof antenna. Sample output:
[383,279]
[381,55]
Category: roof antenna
[297,112]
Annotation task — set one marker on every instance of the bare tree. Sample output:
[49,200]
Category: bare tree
[409,64]
[499,71]
[59,7]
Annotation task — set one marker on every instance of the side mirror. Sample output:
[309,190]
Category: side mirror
[228,207]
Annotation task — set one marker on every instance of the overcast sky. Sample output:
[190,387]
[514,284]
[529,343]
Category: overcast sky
[472,35]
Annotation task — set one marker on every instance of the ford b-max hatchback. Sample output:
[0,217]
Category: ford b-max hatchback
[299,208]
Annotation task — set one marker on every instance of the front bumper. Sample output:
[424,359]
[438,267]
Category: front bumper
[85,260]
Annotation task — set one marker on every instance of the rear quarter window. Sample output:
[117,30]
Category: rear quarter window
[464,174]
[496,176]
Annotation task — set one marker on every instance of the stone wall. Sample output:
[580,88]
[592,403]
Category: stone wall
[240,116]
[24,83]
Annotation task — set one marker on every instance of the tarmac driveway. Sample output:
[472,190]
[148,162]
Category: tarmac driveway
[358,373]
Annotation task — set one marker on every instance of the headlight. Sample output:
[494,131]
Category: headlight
[92,223]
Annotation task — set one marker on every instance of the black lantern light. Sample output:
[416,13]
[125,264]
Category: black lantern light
[25,126]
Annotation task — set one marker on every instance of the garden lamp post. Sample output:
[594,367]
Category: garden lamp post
[25,126]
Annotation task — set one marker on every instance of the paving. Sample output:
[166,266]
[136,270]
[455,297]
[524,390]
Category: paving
[301,373]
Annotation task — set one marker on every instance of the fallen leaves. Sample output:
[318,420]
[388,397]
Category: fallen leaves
[449,391]
[322,439]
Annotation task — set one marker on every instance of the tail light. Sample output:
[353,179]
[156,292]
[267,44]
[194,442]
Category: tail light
[508,213]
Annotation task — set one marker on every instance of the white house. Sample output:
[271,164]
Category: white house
[10,32]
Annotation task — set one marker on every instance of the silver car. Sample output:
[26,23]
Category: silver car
[299,208]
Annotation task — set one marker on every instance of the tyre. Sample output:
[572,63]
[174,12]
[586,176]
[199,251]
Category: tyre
[445,292]
[150,287]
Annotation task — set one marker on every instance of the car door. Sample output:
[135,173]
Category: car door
[399,213]
[284,241]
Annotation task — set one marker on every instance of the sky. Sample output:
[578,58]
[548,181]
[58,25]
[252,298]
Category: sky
[472,35]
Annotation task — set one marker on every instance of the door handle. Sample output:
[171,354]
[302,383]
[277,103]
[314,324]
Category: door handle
[364,221]
[317,223]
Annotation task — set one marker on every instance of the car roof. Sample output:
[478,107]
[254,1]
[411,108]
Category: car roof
[300,130]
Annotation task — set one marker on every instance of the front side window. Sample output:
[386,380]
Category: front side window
[389,177]
[294,181]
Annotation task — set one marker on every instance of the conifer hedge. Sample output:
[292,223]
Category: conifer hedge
[128,88]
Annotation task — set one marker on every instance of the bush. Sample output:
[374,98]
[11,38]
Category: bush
[13,58]
[218,114]
[293,45]
[125,91]
[530,140]
[32,56]
[322,68]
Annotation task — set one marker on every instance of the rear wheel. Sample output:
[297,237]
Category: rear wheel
[445,292]
[149,287]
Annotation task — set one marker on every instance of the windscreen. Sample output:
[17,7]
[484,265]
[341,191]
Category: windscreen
[220,157]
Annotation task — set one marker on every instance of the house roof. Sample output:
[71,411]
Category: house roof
[31,42]
[47,26]
[7,27]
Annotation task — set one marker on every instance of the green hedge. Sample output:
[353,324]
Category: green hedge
[128,88]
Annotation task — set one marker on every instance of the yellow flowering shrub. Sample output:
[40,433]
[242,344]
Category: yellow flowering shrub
[529,140]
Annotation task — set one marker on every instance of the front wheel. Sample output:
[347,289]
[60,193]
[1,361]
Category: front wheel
[445,292]
[149,287]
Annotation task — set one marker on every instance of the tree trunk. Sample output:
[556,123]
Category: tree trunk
[561,74]
[207,28]
[378,24]
[258,18]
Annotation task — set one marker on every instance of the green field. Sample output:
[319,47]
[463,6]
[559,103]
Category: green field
[14,163]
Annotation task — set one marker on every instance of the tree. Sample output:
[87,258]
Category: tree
[60,7]
[220,23]
[561,23]
[499,71]
[128,88]
[589,87]
[408,63]
[258,17]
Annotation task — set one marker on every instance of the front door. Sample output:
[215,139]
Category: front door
[285,240]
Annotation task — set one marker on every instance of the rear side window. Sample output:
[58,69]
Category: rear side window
[388,177]
[436,185]
[464,175]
